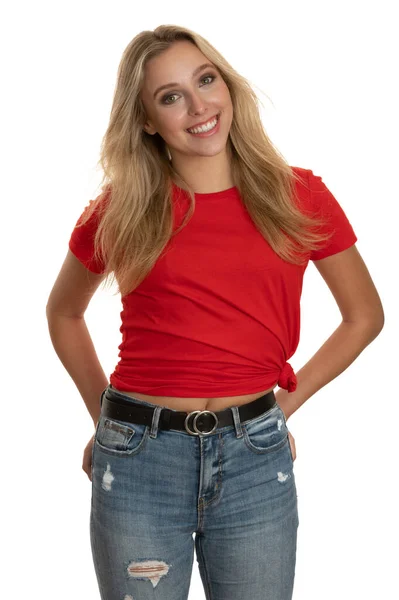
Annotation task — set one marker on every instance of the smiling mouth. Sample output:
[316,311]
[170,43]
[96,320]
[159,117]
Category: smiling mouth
[209,121]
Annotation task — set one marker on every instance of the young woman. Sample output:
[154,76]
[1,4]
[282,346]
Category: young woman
[207,232]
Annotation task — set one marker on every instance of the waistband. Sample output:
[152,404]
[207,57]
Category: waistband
[198,422]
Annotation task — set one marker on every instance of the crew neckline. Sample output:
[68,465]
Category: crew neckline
[220,193]
[200,195]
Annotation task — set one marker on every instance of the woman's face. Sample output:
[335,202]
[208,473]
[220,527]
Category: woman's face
[192,99]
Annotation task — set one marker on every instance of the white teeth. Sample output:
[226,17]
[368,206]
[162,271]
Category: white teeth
[204,128]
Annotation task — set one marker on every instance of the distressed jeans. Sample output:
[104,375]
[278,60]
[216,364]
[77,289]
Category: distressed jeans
[158,494]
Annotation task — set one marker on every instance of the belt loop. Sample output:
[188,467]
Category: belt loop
[155,421]
[237,421]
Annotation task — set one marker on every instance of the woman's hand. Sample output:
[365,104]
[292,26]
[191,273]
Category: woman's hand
[86,465]
[292,445]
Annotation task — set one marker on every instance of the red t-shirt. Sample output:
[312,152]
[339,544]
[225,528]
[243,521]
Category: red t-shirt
[219,313]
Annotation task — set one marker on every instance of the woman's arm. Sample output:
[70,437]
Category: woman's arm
[349,281]
[67,303]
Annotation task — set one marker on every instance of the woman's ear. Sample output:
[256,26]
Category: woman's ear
[148,128]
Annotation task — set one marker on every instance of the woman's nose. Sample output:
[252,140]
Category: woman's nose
[197,106]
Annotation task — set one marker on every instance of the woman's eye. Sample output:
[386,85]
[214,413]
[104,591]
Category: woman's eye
[209,77]
[165,98]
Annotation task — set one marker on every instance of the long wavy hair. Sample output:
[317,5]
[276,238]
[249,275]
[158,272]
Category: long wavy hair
[135,205]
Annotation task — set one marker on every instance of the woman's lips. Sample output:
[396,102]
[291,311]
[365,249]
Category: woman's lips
[215,129]
[211,119]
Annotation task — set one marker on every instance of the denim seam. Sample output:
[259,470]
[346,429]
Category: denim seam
[219,481]
[257,450]
[208,581]
[121,453]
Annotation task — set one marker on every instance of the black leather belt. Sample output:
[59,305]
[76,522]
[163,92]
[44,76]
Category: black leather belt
[197,422]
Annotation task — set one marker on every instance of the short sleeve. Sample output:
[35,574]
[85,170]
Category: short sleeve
[81,242]
[327,206]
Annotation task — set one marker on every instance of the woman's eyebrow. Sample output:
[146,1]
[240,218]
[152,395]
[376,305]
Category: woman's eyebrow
[197,70]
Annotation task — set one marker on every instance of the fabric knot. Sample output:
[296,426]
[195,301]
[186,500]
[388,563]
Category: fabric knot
[287,378]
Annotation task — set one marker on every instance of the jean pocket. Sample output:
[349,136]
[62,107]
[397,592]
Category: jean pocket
[120,438]
[267,433]
[288,440]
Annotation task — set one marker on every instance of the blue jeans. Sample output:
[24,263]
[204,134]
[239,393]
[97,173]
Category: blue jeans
[234,489]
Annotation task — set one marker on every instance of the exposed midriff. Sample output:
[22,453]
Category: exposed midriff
[190,404]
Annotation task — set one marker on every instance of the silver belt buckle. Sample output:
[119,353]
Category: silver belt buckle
[197,431]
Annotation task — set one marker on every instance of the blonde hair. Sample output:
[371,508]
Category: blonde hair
[136,222]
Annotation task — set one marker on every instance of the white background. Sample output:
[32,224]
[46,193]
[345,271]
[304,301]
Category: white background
[326,73]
